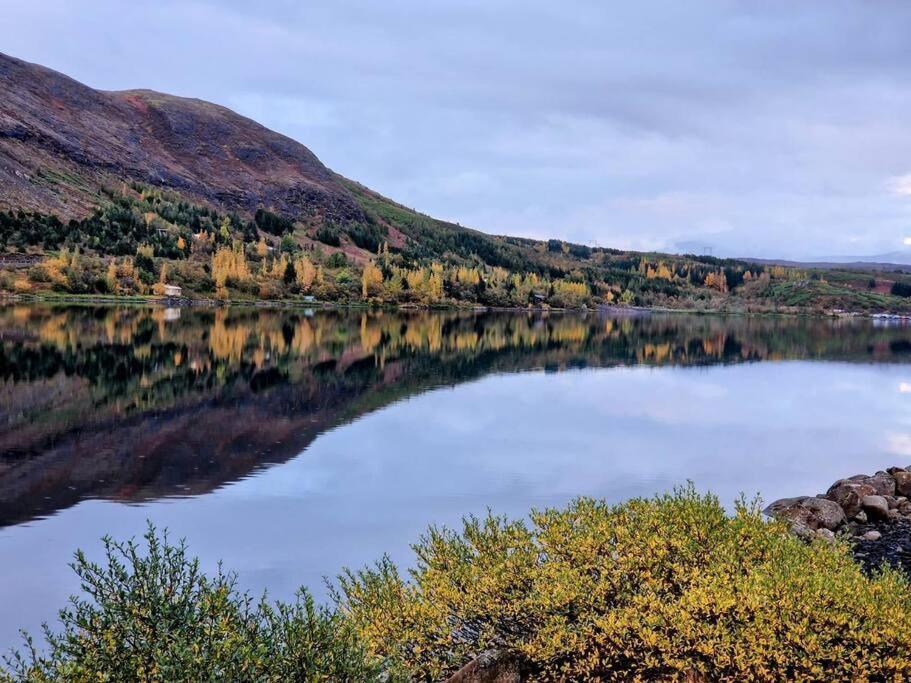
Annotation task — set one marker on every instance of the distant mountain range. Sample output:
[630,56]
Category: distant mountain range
[890,261]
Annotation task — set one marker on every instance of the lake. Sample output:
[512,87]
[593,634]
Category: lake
[291,443]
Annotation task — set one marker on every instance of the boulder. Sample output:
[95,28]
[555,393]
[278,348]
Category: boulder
[883,483]
[875,506]
[813,513]
[848,494]
[802,531]
[872,536]
[826,535]
[861,517]
[491,666]
[902,483]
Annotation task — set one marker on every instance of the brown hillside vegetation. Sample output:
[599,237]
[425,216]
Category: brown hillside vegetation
[62,141]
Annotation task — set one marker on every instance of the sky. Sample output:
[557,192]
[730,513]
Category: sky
[768,129]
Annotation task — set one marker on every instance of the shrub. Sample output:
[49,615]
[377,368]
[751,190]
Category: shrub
[328,234]
[650,589]
[337,260]
[272,223]
[366,236]
[901,289]
[154,616]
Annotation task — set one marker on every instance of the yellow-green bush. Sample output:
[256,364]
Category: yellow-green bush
[151,615]
[651,589]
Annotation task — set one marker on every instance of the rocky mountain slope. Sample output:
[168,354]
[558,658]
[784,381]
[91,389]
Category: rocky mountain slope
[62,141]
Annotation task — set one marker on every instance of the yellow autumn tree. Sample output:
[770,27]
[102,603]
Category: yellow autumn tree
[229,263]
[569,293]
[122,276]
[279,266]
[717,280]
[371,280]
[435,283]
[305,272]
[467,276]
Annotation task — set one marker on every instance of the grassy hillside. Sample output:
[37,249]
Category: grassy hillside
[140,238]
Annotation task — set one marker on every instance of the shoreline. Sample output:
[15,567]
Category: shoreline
[872,512]
[193,302]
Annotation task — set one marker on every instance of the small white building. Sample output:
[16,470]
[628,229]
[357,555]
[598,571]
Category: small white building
[171,290]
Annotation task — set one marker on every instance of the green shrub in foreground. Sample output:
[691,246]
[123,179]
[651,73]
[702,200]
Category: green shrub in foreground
[651,589]
[152,616]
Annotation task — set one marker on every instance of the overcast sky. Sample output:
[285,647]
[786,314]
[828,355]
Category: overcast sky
[758,128]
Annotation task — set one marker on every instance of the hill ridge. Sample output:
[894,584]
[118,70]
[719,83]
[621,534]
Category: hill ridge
[51,123]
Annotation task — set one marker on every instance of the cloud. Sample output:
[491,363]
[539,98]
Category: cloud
[901,185]
[899,444]
[619,123]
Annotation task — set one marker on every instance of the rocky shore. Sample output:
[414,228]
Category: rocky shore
[873,511]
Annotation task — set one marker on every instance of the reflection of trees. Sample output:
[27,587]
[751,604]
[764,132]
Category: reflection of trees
[147,357]
[88,393]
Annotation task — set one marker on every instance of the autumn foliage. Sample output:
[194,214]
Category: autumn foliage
[654,589]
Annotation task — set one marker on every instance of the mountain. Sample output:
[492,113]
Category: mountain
[61,142]
[899,257]
[890,262]
[138,192]
[64,144]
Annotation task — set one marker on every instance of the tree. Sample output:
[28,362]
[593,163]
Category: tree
[305,272]
[229,263]
[717,280]
[290,275]
[371,280]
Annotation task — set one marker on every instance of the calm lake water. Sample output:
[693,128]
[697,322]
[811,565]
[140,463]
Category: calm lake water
[292,443]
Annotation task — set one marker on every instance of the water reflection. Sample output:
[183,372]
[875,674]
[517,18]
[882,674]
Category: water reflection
[135,404]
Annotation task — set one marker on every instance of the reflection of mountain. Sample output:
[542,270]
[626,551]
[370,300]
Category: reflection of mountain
[135,404]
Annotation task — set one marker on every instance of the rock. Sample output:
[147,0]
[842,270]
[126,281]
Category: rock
[905,508]
[872,536]
[891,501]
[826,535]
[883,483]
[902,482]
[827,514]
[861,517]
[848,493]
[802,531]
[875,506]
[786,508]
[893,470]
[491,666]
[813,513]
[894,515]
